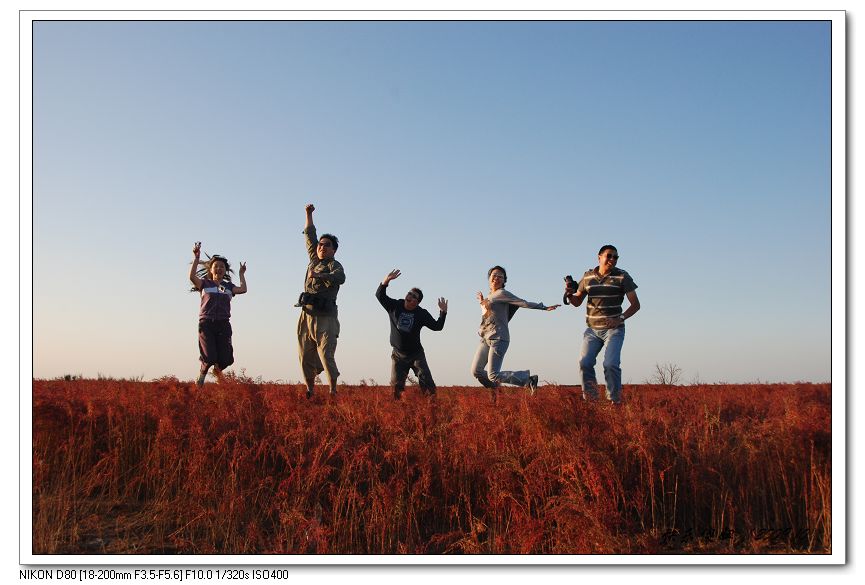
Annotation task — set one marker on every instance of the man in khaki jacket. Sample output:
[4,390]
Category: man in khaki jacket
[318,326]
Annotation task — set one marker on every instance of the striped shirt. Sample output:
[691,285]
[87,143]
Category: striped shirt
[605,294]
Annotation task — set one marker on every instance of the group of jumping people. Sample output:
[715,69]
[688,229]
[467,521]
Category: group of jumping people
[604,287]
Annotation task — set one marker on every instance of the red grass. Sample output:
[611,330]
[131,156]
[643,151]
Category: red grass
[239,467]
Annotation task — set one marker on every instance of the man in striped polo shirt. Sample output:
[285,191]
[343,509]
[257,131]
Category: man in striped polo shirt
[606,287]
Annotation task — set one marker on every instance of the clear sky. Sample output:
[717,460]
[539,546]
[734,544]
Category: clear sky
[700,149]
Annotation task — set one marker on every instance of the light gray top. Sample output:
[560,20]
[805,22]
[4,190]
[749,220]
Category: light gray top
[494,324]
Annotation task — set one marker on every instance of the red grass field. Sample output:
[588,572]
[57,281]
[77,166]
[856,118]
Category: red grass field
[240,467]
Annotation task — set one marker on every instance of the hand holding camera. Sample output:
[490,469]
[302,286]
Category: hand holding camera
[570,288]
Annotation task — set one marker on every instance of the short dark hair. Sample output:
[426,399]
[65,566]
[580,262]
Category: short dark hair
[418,293]
[333,240]
[607,247]
[505,272]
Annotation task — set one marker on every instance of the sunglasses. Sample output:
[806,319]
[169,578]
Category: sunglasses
[613,256]
[412,296]
[325,244]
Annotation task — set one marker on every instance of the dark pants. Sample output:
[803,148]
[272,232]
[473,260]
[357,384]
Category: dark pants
[415,362]
[214,343]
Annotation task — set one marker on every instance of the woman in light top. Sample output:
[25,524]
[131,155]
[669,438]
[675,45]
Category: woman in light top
[496,310]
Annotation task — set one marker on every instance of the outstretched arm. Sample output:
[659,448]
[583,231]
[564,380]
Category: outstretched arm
[193,269]
[380,293]
[310,236]
[239,290]
[505,296]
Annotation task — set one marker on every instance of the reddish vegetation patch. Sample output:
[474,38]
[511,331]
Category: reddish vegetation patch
[240,467]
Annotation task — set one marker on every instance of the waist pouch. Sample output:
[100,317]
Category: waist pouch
[318,303]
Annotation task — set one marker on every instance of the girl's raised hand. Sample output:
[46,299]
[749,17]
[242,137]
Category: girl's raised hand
[242,268]
[196,249]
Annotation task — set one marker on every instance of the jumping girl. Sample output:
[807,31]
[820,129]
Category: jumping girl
[213,281]
[496,310]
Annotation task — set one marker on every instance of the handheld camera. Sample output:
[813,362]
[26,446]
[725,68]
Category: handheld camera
[571,288]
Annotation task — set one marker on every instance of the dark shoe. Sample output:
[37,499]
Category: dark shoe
[333,393]
[200,381]
[308,393]
[397,393]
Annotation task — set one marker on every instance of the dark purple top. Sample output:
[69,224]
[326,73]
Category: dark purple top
[215,300]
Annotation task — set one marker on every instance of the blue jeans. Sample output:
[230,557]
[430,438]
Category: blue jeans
[487,365]
[593,341]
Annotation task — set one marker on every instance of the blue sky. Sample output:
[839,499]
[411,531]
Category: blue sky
[700,149]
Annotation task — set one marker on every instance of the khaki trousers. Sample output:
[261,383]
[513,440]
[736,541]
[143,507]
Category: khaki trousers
[316,339]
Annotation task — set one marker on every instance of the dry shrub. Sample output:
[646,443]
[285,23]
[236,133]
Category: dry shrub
[244,467]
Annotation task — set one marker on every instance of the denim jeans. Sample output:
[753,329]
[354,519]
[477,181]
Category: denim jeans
[487,365]
[593,341]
